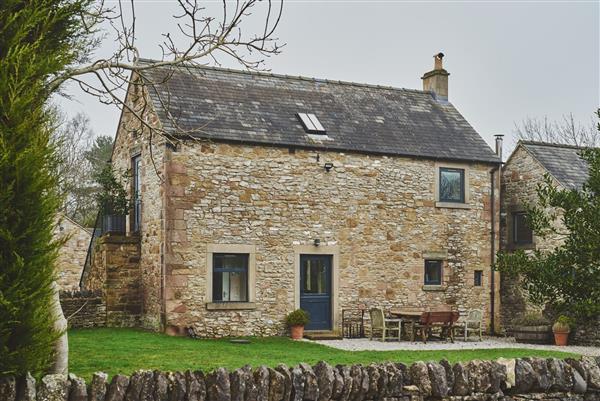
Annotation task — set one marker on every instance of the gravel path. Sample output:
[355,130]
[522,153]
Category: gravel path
[363,344]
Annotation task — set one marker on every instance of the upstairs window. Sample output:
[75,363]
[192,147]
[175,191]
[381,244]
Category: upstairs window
[433,272]
[522,234]
[452,185]
[311,123]
[230,277]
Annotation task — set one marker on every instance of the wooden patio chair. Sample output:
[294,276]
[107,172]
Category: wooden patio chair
[353,323]
[473,323]
[381,324]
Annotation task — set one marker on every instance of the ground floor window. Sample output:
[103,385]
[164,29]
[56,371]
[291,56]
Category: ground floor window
[522,233]
[230,277]
[433,272]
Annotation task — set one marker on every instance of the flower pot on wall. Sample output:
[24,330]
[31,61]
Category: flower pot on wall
[561,338]
[113,224]
[297,332]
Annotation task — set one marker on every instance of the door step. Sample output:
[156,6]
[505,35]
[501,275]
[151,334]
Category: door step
[322,335]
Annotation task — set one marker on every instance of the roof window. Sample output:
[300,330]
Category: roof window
[311,123]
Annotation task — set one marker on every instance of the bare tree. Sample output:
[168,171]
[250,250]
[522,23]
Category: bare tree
[565,131]
[72,139]
[198,39]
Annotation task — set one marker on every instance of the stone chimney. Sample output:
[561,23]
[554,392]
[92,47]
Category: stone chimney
[436,80]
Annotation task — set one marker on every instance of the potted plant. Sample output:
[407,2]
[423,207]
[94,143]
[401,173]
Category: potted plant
[561,330]
[296,321]
[112,202]
[532,328]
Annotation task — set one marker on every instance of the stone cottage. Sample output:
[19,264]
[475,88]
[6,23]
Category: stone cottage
[523,171]
[266,193]
[72,254]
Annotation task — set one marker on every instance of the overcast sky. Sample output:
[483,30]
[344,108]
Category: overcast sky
[507,59]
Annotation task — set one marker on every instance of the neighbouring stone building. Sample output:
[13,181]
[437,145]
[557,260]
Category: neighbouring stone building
[73,252]
[523,171]
[257,194]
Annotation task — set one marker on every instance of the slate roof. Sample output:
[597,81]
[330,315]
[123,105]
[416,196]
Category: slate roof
[563,162]
[261,108]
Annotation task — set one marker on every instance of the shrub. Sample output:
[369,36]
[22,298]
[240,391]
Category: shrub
[531,319]
[562,324]
[112,198]
[298,317]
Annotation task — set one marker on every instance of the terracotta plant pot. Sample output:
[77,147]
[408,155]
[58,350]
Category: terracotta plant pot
[561,338]
[297,332]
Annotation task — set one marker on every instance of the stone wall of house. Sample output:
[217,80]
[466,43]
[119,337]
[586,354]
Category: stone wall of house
[502,380]
[520,178]
[377,214]
[72,254]
[134,138]
[83,308]
[115,272]
[122,288]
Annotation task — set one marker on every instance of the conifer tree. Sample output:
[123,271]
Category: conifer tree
[37,39]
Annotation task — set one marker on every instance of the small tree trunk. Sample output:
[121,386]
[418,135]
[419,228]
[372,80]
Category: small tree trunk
[61,348]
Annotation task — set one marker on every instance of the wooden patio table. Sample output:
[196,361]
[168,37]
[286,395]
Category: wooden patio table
[410,316]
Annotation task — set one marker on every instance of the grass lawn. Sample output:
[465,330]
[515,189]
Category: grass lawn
[126,350]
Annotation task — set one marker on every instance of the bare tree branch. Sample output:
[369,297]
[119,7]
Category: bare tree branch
[205,39]
[565,131]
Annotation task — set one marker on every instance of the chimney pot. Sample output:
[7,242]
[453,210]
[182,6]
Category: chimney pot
[438,61]
[499,139]
[436,80]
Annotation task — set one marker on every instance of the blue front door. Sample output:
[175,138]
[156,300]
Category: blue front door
[315,290]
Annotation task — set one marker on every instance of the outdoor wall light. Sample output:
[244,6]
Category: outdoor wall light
[328,166]
[317,242]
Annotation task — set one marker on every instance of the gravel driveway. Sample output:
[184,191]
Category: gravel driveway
[363,344]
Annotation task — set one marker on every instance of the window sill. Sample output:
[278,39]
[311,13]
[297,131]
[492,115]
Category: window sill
[230,306]
[434,288]
[514,247]
[452,205]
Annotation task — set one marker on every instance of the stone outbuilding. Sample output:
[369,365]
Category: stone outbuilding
[72,254]
[256,194]
[523,171]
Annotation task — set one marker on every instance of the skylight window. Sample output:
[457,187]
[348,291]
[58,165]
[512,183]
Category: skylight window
[311,123]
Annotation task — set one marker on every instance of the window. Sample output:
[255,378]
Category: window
[136,220]
[522,234]
[311,123]
[433,272]
[478,278]
[452,185]
[230,277]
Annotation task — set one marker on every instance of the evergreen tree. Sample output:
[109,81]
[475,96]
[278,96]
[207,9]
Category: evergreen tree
[37,39]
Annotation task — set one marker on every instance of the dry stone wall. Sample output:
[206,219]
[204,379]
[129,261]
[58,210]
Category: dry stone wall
[378,213]
[502,380]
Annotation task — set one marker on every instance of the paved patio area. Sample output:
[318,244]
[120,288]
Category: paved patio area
[363,344]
